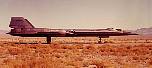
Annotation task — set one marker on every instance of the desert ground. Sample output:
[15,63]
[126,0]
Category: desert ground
[81,52]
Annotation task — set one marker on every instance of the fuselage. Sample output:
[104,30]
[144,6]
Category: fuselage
[44,32]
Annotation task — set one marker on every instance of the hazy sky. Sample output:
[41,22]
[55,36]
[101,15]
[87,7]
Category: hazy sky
[125,14]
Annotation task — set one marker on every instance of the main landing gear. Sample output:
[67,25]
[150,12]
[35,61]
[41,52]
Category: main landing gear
[48,39]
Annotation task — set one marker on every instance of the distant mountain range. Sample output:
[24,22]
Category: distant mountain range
[144,31]
[3,31]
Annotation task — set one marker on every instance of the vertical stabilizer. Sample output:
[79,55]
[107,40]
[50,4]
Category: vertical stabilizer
[20,22]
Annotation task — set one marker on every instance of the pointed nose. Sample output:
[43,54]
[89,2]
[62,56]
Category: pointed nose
[129,33]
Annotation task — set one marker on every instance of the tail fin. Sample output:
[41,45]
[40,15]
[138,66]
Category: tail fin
[20,22]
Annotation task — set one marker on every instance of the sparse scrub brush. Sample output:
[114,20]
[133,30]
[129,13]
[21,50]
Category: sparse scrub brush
[15,50]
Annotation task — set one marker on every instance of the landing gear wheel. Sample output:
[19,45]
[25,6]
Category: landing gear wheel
[99,40]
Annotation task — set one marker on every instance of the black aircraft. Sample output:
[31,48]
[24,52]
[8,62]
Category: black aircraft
[22,27]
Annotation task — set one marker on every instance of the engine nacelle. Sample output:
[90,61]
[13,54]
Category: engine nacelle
[63,32]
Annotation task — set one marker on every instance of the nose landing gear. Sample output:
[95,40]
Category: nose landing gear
[99,40]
